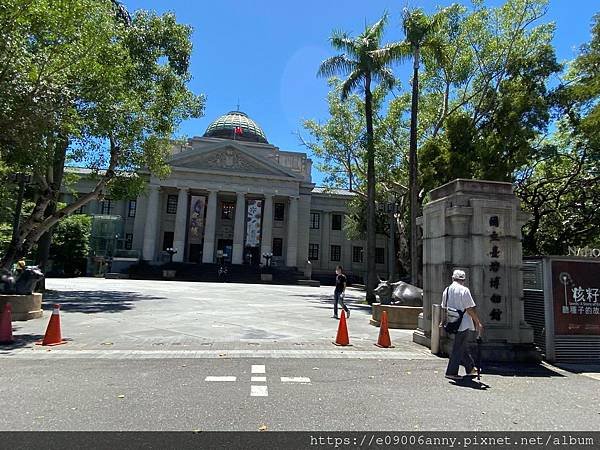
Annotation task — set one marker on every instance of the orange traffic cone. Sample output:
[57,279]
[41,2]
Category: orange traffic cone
[342,333]
[384,340]
[6,336]
[53,335]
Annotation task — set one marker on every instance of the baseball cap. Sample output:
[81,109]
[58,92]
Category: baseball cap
[459,275]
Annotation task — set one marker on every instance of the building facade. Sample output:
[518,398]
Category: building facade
[233,195]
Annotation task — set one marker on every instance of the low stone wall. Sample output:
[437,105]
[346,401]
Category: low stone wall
[405,317]
[24,307]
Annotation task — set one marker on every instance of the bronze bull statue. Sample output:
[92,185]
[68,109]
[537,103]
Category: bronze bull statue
[399,293]
[24,284]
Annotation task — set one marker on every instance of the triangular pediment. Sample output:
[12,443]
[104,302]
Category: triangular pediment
[228,158]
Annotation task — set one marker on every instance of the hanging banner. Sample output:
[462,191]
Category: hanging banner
[253,222]
[197,209]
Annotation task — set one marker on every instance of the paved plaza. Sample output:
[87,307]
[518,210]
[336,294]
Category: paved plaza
[138,317]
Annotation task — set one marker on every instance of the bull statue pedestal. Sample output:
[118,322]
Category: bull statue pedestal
[404,317]
[403,303]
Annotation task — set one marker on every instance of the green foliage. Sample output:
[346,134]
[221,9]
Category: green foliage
[83,84]
[5,235]
[485,110]
[486,98]
[71,242]
[562,189]
[126,187]
[580,96]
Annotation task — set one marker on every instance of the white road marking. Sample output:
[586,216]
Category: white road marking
[258,369]
[295,380]
[258,391]
[220,379]
[258,379]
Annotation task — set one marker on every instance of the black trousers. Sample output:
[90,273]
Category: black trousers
[461,353]
[338,298]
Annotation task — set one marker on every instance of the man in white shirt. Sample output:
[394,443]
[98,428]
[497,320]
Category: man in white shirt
[458,296]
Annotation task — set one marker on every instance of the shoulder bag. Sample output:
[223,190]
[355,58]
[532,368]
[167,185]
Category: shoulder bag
[452,316]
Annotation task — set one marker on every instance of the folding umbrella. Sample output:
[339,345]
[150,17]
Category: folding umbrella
[478,340]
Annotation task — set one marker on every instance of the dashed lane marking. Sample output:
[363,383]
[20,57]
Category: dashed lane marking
[259,391]
[258,368]
[295,380]
[220,379]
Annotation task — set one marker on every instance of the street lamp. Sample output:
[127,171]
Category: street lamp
[268,256]
[171,251]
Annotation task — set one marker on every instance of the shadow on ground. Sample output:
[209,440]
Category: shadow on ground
[471,383]
[20,341]
[90,302]
[517,370]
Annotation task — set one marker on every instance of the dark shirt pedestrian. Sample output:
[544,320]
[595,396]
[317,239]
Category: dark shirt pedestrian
[338,293]
[340,282]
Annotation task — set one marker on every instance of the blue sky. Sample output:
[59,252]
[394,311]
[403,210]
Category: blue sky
[266,53]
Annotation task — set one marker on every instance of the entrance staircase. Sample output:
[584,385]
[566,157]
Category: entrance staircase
[205,272]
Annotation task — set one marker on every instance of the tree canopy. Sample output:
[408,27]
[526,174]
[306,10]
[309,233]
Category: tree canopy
[84,84]
[489,108]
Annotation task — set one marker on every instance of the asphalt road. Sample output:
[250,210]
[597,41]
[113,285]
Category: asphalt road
[319,394]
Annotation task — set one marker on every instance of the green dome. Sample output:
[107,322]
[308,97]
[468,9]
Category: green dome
[224,127]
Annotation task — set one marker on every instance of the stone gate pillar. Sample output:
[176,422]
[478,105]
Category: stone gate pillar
[476,226]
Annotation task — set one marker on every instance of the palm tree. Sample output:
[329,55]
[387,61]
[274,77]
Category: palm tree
[358,63]
[419,31]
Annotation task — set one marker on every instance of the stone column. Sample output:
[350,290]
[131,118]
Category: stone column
[238,229]
[476,226]
[139,224]
[152,221]
[266,240]
[208,248]
[180,225]
[325,240]
[303,228]
[292,234]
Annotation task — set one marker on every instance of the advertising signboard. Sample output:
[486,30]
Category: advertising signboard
[576,297]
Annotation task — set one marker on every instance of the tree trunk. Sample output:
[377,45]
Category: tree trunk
[37,224]
[371,238]
[413,173]
[45,241]
[12,250]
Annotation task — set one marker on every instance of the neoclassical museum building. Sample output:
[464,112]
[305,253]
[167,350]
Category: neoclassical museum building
[232,195]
